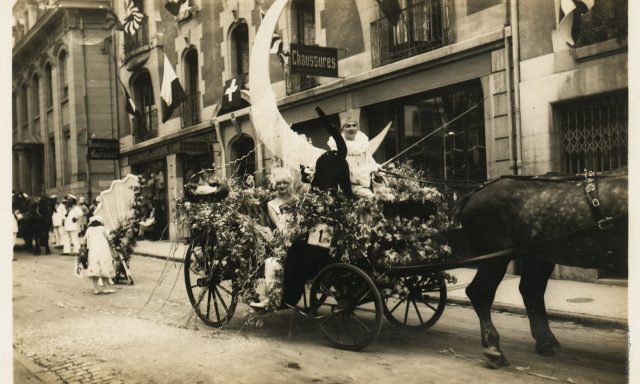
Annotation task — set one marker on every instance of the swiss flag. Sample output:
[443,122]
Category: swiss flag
[231,97]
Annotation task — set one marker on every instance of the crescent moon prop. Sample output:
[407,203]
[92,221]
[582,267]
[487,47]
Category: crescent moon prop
[270,127]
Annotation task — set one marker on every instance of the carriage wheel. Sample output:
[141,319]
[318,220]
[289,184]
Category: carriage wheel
[421,305]
[347,306]
[211,292]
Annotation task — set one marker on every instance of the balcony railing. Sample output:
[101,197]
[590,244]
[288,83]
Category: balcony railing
[191,110]
[422,27]
[606,20]
[138,40]
[145,126]
[298,82]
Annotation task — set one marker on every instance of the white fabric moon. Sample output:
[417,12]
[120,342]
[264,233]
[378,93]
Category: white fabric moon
[115,202]
[270,127]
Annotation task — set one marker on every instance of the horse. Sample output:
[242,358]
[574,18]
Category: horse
[36,221]
[577,221]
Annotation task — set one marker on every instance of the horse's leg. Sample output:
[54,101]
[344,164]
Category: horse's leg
[533,284]
[482,292]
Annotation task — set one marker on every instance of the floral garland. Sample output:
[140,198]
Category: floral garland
[370,233]
[123,239]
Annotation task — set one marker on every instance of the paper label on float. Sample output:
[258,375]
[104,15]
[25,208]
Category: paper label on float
[321,235]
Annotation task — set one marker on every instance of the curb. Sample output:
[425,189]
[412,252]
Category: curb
[42,374]
[579,318]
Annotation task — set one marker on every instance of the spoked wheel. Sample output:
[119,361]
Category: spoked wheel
[212,292]
[347,306]
[420,305]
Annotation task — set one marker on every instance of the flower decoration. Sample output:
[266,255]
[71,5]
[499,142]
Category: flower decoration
[373,234]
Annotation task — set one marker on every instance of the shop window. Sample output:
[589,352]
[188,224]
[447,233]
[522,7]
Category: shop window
[454,153]
[240,51]
[593,133]
[62,66]
[154,195]
[48,85]
[145,124]
[191,105]
[303,31]
[243,158]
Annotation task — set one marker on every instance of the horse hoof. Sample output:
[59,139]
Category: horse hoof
[545,349]
[494,358]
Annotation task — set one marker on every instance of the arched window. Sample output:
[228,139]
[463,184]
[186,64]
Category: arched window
[240,51]
[48,86]
[243,152]
[35,97]
[146,123]
[64,85]
[191,106]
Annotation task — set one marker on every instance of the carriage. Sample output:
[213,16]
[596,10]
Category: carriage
[350,300]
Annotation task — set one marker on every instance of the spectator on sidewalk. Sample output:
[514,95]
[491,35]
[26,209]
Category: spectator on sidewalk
[100,261]
[71,240]
[56,220]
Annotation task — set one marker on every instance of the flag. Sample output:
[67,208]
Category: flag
[133,17]
[569,9]
[277,45]
[391,10]
[129,105]
[173,6]
[231,97]
[171,92]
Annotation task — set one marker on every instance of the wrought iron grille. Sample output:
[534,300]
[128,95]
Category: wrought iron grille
[594,133]
[139,39]
[191,110]
[146,125]
[422,27]
[298,82]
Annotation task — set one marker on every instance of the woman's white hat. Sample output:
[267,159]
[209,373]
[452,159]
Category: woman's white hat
[97,218]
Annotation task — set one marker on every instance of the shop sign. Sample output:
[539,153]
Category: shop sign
[192,147]
[149,154]
[103,149]
[313,60]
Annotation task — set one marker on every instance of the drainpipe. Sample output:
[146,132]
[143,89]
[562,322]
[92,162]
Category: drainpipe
[515,38]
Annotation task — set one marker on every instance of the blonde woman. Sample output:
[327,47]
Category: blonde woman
[282,181]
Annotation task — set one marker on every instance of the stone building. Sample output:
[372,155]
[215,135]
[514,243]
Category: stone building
[63,94]
[515,97]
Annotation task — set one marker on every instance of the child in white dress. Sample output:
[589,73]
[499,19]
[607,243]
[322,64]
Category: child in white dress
[100,264]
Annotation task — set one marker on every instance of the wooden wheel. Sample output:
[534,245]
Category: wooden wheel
[420,305]
[211,289]
[347,306]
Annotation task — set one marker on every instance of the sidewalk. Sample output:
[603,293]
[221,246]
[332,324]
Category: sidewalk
[587,303]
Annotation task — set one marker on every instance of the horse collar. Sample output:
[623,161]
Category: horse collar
[591,192]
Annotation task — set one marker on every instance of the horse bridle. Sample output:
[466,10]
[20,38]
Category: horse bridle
[591,193]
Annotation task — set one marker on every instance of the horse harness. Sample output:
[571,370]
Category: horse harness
[591,193]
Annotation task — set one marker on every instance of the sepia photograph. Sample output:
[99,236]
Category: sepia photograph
[318,191]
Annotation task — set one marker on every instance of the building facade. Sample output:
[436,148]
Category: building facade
[63,94]
[515,98]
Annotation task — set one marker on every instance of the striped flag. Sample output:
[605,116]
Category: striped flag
[173,6]
[570,9]
[129,105]
[171,92]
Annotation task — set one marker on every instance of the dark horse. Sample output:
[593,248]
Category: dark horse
[36,221]
[575,221]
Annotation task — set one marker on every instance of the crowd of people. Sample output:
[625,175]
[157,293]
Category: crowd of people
[69,220]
